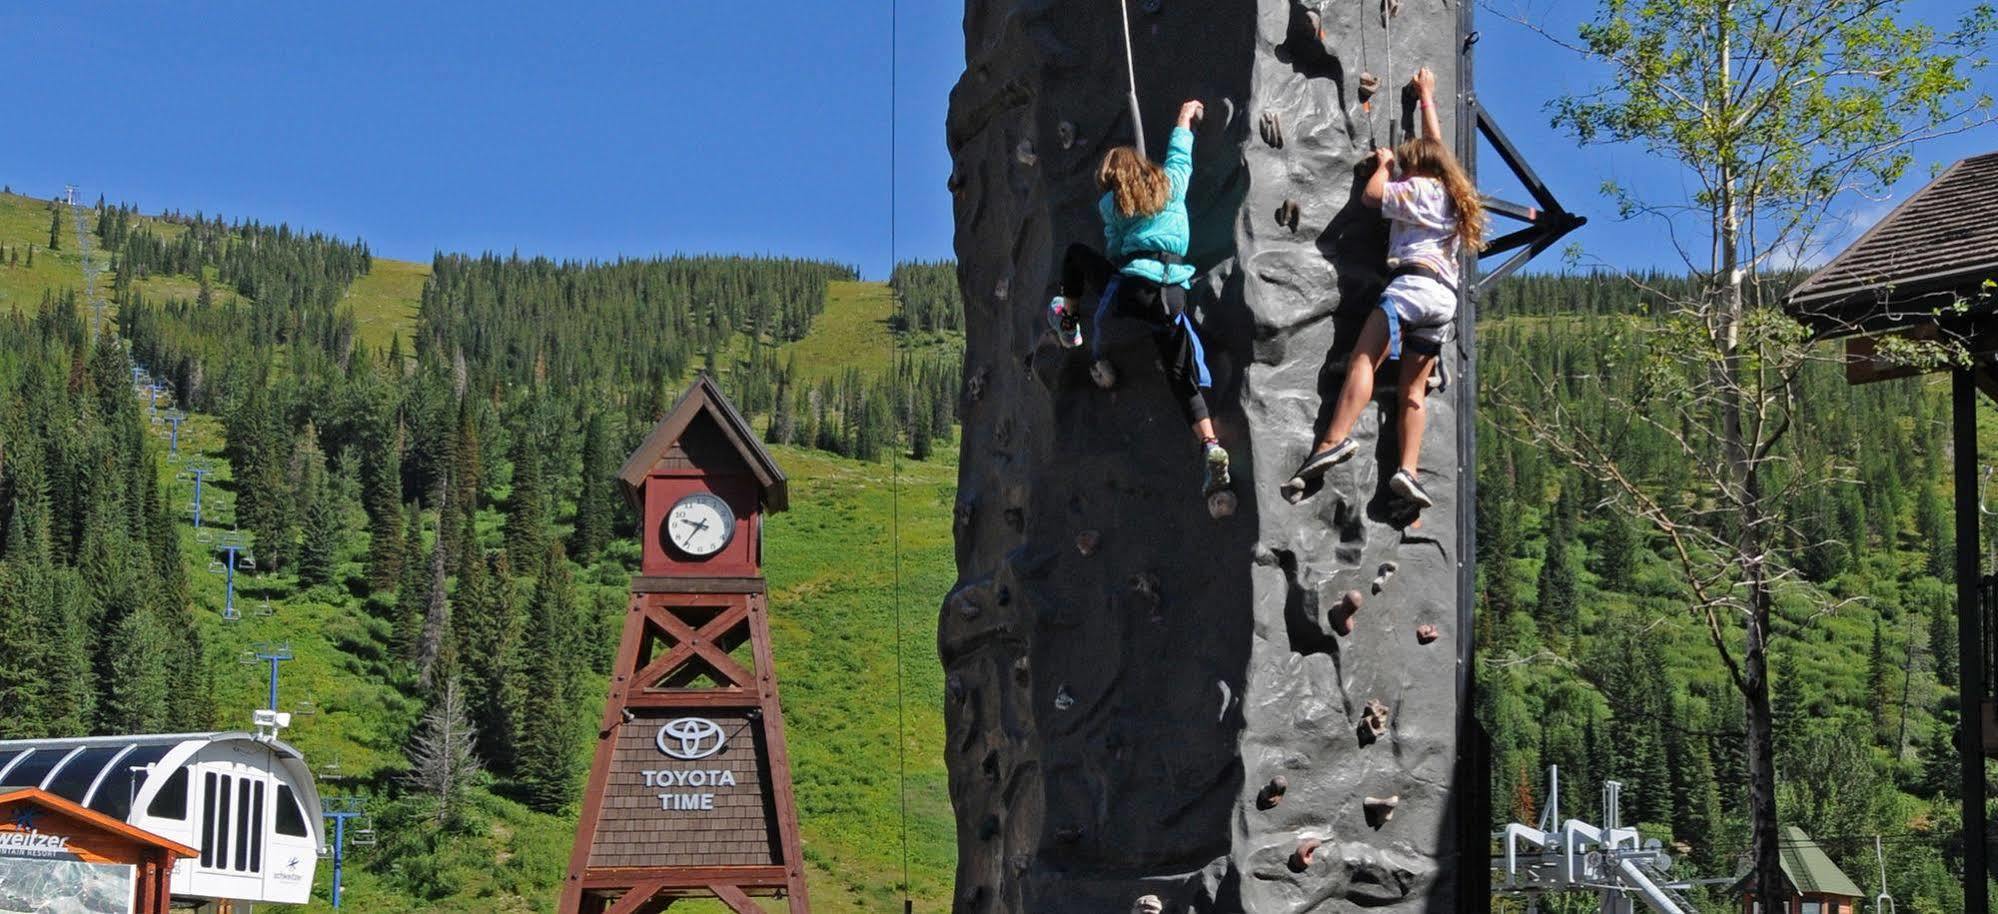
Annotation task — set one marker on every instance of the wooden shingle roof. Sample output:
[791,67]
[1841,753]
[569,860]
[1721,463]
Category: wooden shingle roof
[1940,243]
[706,399]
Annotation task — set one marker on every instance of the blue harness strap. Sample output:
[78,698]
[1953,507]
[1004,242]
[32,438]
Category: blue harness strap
[1103,315]
[1394,327]
[1199,352]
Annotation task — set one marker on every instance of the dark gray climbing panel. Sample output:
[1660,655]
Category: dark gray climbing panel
[1143,700]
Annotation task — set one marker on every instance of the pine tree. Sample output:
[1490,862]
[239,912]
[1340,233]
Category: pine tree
[23,690]
[442,757]
[1616,555]
[1557,582]
[1696,811]
[547,724]
[55,228]
[595,499]
[1941,774]
[140,692]
[412,595]
[1943,644]
[435,655]
[1787,717]
[1879,682]
[488,622]
[382,495]
[320,507]
[527,505]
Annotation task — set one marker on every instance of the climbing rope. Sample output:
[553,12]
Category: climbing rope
[1131,72]
[895,486]
[1372,85]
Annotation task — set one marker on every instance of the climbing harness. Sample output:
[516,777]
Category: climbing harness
[1131,71]
[1394,321]
[1164,258]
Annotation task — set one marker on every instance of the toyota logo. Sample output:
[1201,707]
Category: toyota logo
[690,738]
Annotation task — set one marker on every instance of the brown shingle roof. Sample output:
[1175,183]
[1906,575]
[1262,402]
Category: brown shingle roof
[1940,242]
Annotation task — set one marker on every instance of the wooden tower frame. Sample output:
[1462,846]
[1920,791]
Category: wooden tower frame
[695,653]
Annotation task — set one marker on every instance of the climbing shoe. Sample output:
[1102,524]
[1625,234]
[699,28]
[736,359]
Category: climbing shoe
[1403,483]
[1066,326]
[1217,469]
[1315,465]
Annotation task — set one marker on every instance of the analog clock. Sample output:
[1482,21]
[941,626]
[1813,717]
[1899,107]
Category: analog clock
[700,525]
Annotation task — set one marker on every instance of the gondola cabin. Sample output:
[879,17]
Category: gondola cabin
[247,806]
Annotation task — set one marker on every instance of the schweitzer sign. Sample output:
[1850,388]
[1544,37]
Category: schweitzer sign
[690,793]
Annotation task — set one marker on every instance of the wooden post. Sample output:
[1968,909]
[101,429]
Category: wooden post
[1970,641]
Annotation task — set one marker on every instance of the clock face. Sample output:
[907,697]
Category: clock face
[700,525]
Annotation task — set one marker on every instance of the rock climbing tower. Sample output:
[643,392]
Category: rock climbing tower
[1143,699]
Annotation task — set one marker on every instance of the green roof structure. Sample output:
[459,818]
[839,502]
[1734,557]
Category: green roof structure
[1808,868]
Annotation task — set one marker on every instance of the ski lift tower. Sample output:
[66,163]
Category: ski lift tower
[1575,856]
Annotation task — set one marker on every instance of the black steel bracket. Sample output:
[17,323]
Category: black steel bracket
[1546,222]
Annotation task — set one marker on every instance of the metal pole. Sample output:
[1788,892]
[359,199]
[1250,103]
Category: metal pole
[198,473]
[1131,70]
[275,660]
[1970,641]
[229,596]
[339,853]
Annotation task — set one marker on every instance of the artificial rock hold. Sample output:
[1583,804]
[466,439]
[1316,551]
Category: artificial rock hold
[1147,904]
[1307,848]
[1272,793]
[1289,215]
[1344,611]
[1386,574]
[1369,86]
[1272,129]
[1374,718]
[1426,633]
[1087,541]
[1380,810]
[1065,134]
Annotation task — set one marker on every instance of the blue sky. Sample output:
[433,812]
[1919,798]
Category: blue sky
[629,128]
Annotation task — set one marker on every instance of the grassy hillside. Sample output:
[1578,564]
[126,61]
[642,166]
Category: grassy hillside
[384,301]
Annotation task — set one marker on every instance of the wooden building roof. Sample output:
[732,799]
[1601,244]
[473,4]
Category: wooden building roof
[705,399]
[1939,244]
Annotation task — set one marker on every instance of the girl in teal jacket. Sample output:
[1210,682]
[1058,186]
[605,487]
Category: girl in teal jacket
[1144,275]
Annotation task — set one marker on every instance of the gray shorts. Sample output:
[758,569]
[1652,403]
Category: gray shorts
[1420,310]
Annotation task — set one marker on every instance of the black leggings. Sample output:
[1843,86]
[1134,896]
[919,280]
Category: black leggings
[1141,299]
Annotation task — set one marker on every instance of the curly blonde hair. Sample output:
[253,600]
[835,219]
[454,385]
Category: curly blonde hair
[1139,185]
[1427,157]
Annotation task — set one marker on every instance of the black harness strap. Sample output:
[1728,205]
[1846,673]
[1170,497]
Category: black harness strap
[1166,258]
[1425,271]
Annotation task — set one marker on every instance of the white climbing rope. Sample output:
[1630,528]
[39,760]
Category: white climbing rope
[1131,71]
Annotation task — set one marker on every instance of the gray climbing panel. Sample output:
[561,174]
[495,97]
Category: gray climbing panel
[1144,700]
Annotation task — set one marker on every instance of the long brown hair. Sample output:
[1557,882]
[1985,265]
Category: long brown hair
[1427,157]
[1139,185]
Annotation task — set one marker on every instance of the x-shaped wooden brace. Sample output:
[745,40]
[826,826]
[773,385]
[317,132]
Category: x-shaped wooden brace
[704,643]
[642,898]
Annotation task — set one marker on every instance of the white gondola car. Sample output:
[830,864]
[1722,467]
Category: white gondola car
[248,805]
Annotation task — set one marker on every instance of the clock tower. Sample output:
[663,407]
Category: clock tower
[690,790]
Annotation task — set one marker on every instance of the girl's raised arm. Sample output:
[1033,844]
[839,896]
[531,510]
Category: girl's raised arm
[1425,98]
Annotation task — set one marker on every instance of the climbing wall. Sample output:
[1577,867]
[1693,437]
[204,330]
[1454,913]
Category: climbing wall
[1142,699]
